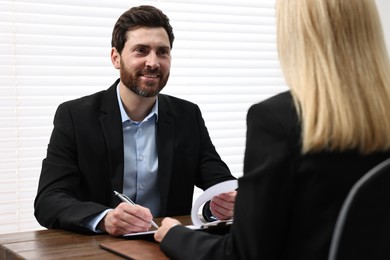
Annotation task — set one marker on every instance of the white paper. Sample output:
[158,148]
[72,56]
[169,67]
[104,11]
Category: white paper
[151,232]
[207,195]
[140,233]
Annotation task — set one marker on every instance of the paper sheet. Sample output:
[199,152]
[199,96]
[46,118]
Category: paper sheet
[150,232]
[207,195]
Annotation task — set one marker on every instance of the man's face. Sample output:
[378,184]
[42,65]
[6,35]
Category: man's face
[145,61]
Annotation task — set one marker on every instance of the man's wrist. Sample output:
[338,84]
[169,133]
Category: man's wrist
[206,212]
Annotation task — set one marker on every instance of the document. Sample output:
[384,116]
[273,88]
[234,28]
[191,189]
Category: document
[197,223]
[207,195]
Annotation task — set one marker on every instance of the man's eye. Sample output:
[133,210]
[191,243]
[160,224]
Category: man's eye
[164,52]
[140,50]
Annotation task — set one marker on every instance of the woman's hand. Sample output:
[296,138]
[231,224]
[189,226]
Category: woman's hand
[166,225]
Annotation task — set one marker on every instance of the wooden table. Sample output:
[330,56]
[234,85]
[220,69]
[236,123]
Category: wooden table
[60,244]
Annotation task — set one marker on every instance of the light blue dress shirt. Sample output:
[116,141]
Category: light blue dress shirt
[141,160]
[140,163]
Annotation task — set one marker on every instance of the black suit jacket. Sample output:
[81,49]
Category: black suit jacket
[287,204]
[84,162]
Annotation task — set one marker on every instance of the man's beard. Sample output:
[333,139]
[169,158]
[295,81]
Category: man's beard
[149,89]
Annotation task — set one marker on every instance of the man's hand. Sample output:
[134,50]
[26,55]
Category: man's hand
[125,219]
[222,206]
[166,225]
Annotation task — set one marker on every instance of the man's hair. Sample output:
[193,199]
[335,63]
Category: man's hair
[334,59]
[136,17]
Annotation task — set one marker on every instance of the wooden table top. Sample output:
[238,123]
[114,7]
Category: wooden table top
[60,244]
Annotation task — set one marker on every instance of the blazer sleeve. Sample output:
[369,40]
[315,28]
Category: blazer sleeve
[212,168]
[183,243]
[59,202]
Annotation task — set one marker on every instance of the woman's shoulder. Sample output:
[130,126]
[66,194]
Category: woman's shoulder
[283,97]
[277,104]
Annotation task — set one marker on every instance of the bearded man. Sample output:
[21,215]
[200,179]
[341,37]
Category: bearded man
[151,147]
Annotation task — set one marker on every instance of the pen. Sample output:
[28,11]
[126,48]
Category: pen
[124,198]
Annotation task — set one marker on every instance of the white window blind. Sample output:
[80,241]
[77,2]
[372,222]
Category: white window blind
[224,59]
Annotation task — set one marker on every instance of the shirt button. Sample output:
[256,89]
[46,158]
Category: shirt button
[140,186]
[141,157]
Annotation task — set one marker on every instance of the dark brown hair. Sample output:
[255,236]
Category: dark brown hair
[135,17]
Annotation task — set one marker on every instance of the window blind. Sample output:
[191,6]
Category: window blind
[224,59]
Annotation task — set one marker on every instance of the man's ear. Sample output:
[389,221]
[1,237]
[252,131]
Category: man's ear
[115,58]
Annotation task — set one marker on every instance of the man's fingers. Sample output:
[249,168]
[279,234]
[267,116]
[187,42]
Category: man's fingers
[221,212]
[127,218]
[222,206]
[227,196]
[136,214]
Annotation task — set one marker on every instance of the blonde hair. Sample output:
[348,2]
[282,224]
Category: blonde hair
[334,59]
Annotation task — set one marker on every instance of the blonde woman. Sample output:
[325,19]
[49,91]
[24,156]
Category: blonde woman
[306,147]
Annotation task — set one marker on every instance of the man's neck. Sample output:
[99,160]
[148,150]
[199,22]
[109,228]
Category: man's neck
[136,107]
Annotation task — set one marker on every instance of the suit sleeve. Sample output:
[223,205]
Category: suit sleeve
[211,167]
[183,243]
[59,201]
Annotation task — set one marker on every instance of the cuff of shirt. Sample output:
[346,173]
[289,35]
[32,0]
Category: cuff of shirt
[92,222]
[206,212]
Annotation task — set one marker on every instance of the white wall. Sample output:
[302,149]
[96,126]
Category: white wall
[384,11]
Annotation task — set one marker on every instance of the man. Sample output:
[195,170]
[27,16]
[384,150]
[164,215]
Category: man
[152,147]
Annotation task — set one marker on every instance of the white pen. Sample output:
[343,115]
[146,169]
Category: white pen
[124,198]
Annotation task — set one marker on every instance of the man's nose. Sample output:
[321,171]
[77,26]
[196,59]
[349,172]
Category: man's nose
[152,60]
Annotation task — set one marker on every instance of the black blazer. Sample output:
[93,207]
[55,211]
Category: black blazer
[84,161]
[287,204]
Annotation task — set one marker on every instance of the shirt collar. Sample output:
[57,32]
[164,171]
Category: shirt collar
[124,115]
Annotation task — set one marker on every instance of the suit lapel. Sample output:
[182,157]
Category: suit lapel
[110,120]
[165,149]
